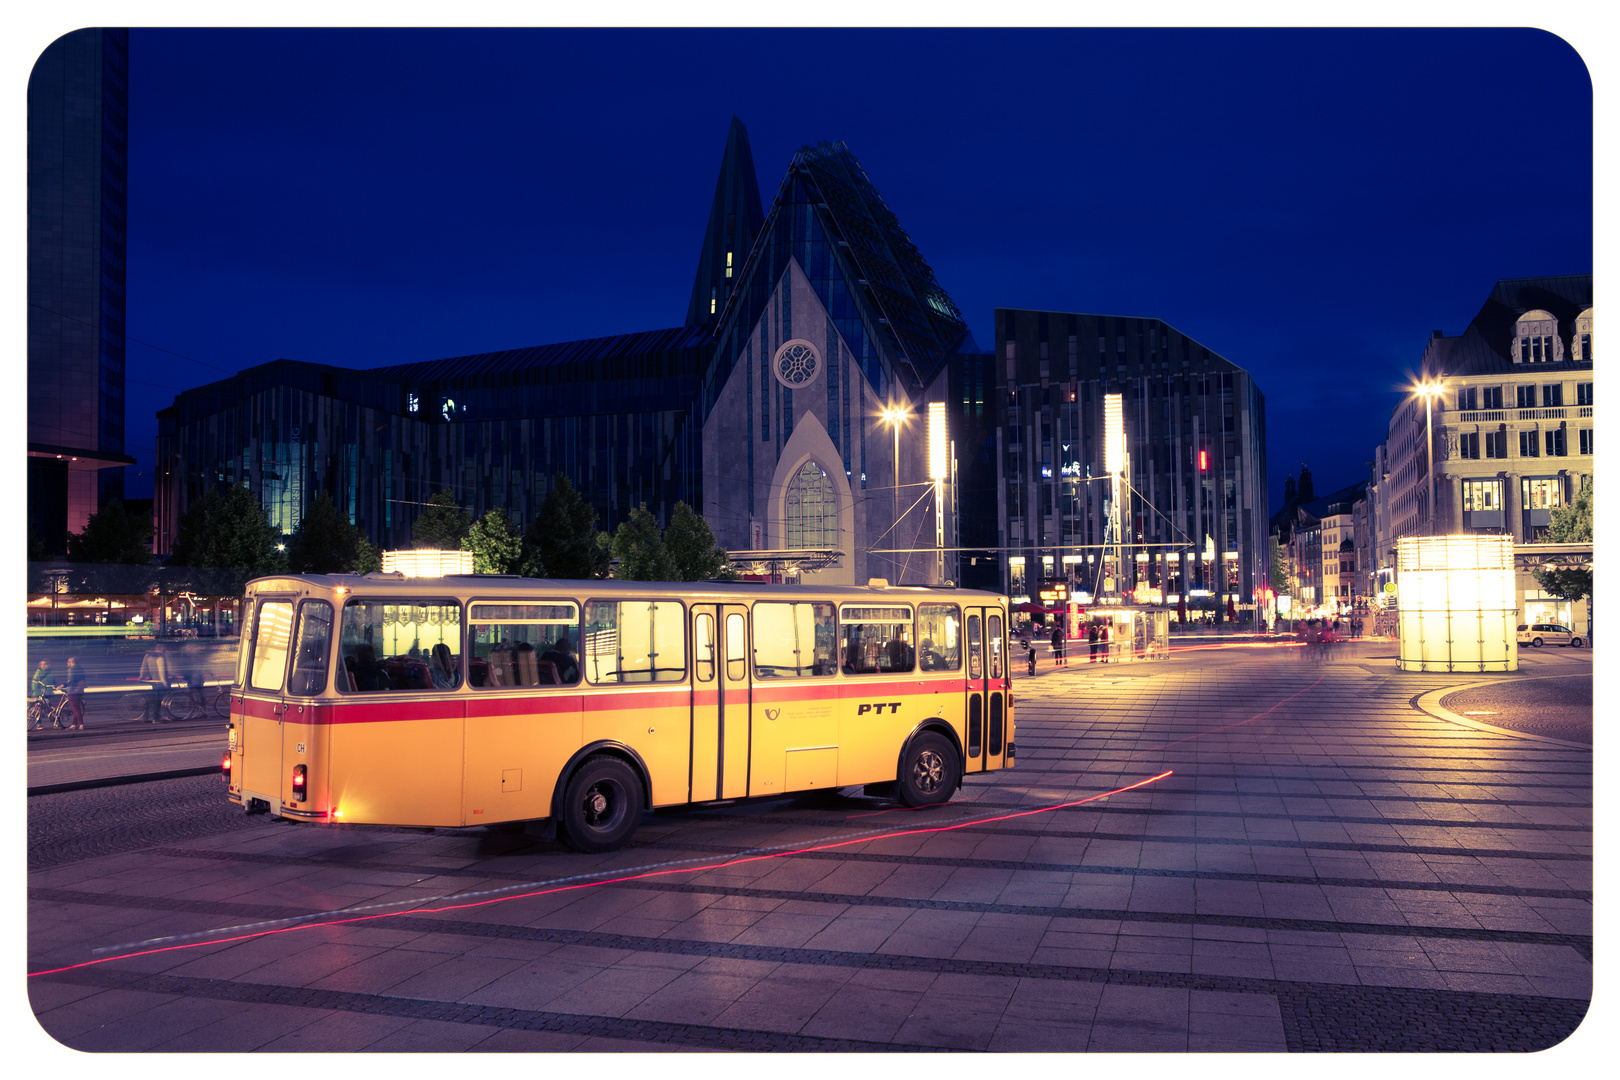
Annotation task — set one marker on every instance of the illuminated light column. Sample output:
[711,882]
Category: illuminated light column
[1114,463]
[938,460]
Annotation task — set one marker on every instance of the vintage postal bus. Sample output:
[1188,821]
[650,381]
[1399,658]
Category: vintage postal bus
[490,700]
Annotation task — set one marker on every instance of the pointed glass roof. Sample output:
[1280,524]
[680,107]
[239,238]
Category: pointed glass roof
[898,321]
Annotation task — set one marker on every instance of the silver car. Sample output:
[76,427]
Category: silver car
[1546,633]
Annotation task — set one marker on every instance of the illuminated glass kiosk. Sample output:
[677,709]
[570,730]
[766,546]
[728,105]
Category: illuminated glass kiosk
[1134,633]
[1458,611]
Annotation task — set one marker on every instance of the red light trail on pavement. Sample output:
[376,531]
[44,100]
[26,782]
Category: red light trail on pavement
[613,881]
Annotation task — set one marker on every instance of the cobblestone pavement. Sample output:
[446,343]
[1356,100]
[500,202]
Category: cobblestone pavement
[1326,868]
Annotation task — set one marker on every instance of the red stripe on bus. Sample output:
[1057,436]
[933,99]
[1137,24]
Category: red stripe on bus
[393,709]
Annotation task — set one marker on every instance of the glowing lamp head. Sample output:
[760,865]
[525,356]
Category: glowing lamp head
[1113,433]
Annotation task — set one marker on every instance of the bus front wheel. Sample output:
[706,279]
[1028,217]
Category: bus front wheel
[602,805]
[929,771]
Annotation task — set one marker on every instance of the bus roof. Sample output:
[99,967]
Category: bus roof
[498,584]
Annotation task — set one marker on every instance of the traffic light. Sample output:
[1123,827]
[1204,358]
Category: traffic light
[1203,459]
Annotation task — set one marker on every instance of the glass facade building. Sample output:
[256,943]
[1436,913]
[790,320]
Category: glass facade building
[1194,516]
[78,104]
[493,429]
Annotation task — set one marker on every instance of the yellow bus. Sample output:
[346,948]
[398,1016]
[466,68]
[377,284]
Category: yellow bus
[498,700]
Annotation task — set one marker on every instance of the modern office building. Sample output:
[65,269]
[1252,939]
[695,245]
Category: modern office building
[78,98]
[609,413]
[1196,521]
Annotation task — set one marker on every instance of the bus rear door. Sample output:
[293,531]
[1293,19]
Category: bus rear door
[259,739]
[986,690]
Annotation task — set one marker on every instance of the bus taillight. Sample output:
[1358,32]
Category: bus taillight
[299,780]
[225,767]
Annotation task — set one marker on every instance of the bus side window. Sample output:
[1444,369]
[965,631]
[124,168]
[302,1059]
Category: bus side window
[975,664]
[634,641]
[314,643]
[703,647]
[939,645]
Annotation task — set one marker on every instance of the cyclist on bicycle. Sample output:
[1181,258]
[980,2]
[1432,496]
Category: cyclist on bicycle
[42,686]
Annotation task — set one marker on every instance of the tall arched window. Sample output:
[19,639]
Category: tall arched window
[811,510]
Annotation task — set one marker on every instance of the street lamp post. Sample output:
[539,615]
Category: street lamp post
[894,416]
[1429,389]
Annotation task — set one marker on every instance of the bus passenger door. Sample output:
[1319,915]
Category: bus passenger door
[977,692]
[259,728]
[997,731]
[735,699]
[704,783]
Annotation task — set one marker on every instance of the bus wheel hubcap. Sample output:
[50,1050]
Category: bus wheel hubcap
[930,769]
[596,804]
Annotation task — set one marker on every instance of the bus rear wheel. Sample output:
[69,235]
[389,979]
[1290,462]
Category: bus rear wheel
[929,771]
[602,805]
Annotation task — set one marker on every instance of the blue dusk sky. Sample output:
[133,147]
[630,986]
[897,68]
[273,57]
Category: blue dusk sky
[1309,203]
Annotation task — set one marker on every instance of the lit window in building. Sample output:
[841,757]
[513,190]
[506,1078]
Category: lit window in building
[811,509]
[1541,494]
[1482,495]
[728,264]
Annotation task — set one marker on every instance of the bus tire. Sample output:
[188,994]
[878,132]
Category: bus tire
[601,806]
[929,770]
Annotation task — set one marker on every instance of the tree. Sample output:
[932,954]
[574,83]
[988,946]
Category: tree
[367,557]
[639,546]
[562,541]
[443,525]
[1570,524]
[112,535]
[692,550]
[1279,567]
[496,546]
[325,542]
[228,528]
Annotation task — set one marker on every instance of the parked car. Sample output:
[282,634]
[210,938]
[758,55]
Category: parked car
[1546,633]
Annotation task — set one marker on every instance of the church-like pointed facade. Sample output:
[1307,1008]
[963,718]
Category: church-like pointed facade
[734,222]
[834,320]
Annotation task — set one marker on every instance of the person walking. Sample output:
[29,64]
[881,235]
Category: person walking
[1102,640]
[1058,659]
[1091,638]
[155,671]
[73,685]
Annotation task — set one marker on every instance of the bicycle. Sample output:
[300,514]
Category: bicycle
[52,708]
[180,703]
